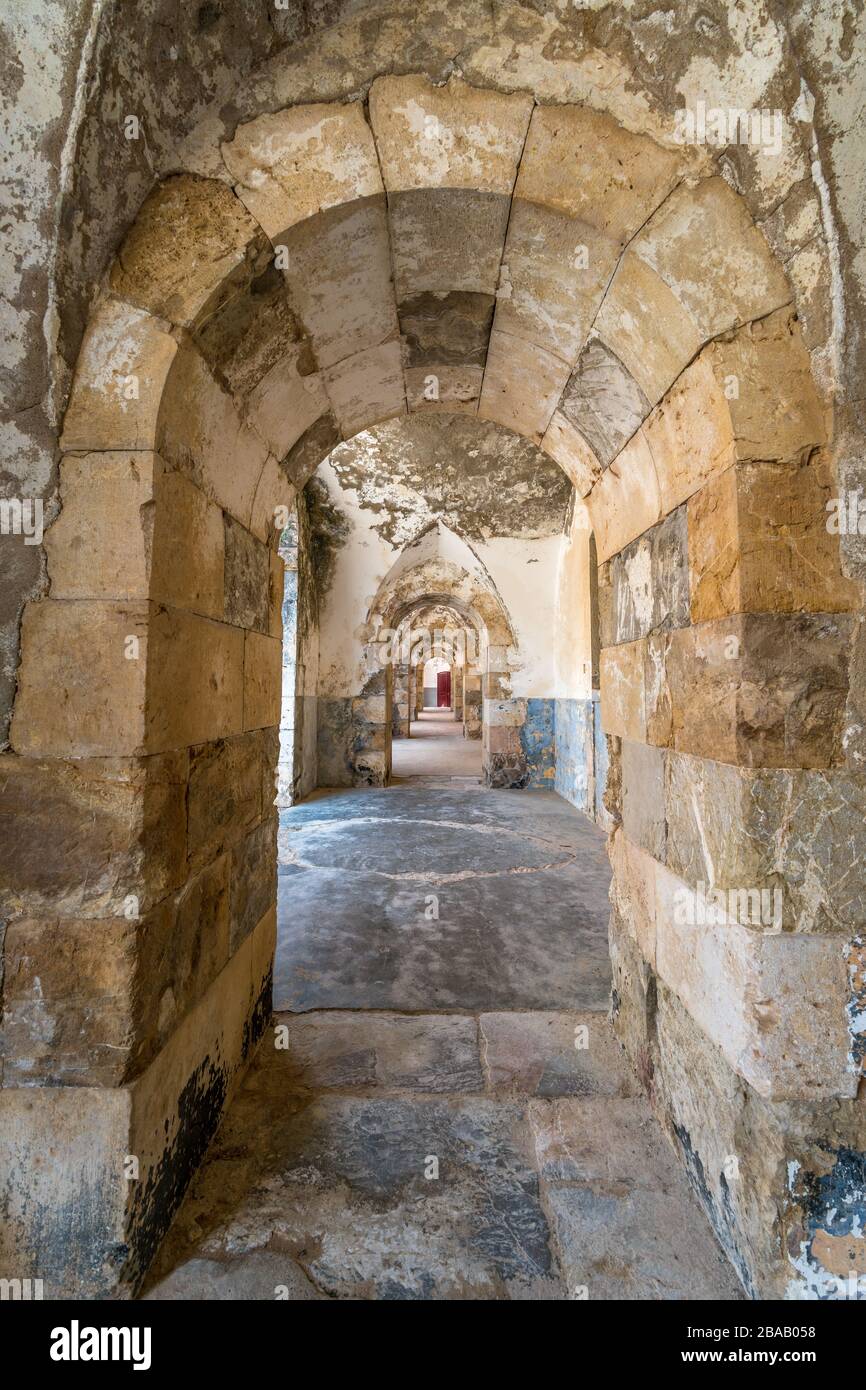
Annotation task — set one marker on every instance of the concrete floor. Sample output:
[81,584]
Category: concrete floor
[435,750]
[446,1113]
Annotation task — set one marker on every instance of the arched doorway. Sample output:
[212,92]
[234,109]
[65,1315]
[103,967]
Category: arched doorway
[723,666]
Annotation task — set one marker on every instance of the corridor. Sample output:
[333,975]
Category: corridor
[441,1110]
[436,749]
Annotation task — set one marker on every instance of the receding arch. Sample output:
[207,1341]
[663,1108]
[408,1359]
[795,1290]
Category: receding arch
[213,381]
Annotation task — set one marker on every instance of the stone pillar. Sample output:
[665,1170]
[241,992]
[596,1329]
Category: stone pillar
[457,691]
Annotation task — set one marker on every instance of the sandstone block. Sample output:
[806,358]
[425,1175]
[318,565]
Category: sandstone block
[626,500]
[120,377]
[690,434]
[637,301]
[758,542]
[453,136]
[603,401]
[447,240]
[567,445]
[100,544]
[247,578]
[262,680]
[522,384]
[225,800]
[623,706]
[643,797]
[188,548]
[82,682]
[79,838]
[291,165]
[253,879]
[582,163]
[367,388]
[195,680]
[189,234]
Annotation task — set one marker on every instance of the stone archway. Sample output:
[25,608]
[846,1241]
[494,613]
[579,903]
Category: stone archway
[626,315]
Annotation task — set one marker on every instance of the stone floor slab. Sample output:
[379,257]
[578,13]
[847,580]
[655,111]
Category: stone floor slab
[553,1054]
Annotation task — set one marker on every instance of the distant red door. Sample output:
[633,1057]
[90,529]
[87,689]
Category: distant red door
[443,689]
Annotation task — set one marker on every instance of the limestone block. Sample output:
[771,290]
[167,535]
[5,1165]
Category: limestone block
[188,548]
[623,709]
[778,829]
[446,329]
[183,947]
[584,164]
[504,712]
[644,323]
[447,240]
[632,998]
[774,1003]
[202,434]
[276,591]
[603,401]
[454,136]
[367,388]
[704,245]
[177,1103]
[273,503]
[553,1054]
[81,685]
[195,680]
[247,578]
[79,838]
[643,797]
[455,390]
[690,435]
[626,500]
[248,326]
[253,879]
[284,403]
[338,275]
[67,1001]
[345,1050]
[522,384]
[291,165]
[765,373]
[634,889]
[263,669]
[555,271]
[313,446]
[657,690]
[189,234]
[122,368]
[761,689]
[224,799]
[758,542]
[564,443]
[100,544]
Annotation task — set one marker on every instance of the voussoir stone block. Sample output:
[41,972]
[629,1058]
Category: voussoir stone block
[647,327]
[522,384]
[367,388]
[201,433]
[564,443]
[704,245]
[582,163]
[454,136]
[555,271]
[120,376]
[291,165]
[447,240]
[189,234]
[626,500]
[603,401]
